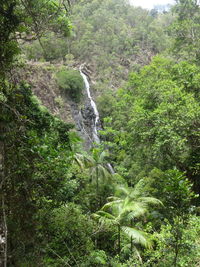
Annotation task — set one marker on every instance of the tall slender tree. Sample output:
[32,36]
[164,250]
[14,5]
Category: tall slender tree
[98,169]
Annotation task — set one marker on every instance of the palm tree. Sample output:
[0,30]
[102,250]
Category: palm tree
[121,210]
[97,166]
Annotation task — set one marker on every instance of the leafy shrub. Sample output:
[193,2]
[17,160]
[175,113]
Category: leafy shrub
[96,258]
[176,245]
[68,234]
[71,82]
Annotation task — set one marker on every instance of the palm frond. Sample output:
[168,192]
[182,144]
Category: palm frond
[138,236]
[103,155]
[150,200]
[105,214]
[137,212]
[103,172]
[84,161]
[105,218]
[134,250]
[136,207]
[138,189]
[89,162]
[112,204]
[79,160]
[93,174]
[122,190]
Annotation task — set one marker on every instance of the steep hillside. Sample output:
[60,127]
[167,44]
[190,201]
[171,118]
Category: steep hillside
[111,36]
[43,82]
[46,84]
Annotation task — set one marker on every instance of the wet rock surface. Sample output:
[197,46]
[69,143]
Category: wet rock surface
[86,117]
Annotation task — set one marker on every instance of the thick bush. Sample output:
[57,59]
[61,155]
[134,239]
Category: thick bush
[68,234]
[71,82]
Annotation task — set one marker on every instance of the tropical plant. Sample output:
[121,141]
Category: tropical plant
[97,165]
[123,210]
[98,169]
[156,120]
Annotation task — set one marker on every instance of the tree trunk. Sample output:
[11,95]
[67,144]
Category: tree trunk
[131,236]
[119,240]
[97,188]
[3,224]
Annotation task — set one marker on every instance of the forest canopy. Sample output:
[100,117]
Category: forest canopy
[131,199]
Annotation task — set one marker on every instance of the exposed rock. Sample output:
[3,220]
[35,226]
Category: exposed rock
[41,77]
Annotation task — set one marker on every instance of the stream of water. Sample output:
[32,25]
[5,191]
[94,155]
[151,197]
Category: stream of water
[93,105]
[96,113]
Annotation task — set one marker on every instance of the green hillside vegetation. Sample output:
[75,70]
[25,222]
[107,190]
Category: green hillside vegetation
[71,83]
[62,205]
[110,36]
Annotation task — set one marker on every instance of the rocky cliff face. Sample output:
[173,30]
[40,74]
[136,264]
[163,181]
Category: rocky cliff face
[42,78]
[84,115]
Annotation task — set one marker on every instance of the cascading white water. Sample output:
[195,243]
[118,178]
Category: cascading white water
[93,105]
[96,113]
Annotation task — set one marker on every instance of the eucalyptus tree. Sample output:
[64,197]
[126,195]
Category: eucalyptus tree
[186,30]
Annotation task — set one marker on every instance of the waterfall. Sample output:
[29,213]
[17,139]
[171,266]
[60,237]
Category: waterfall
[93,105]
[96,114]
[110,168]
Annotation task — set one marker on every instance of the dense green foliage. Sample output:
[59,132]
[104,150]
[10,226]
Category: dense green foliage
[185,30]
[110,36]
[163,119]
[63,206]
[71,82]
[37,164]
